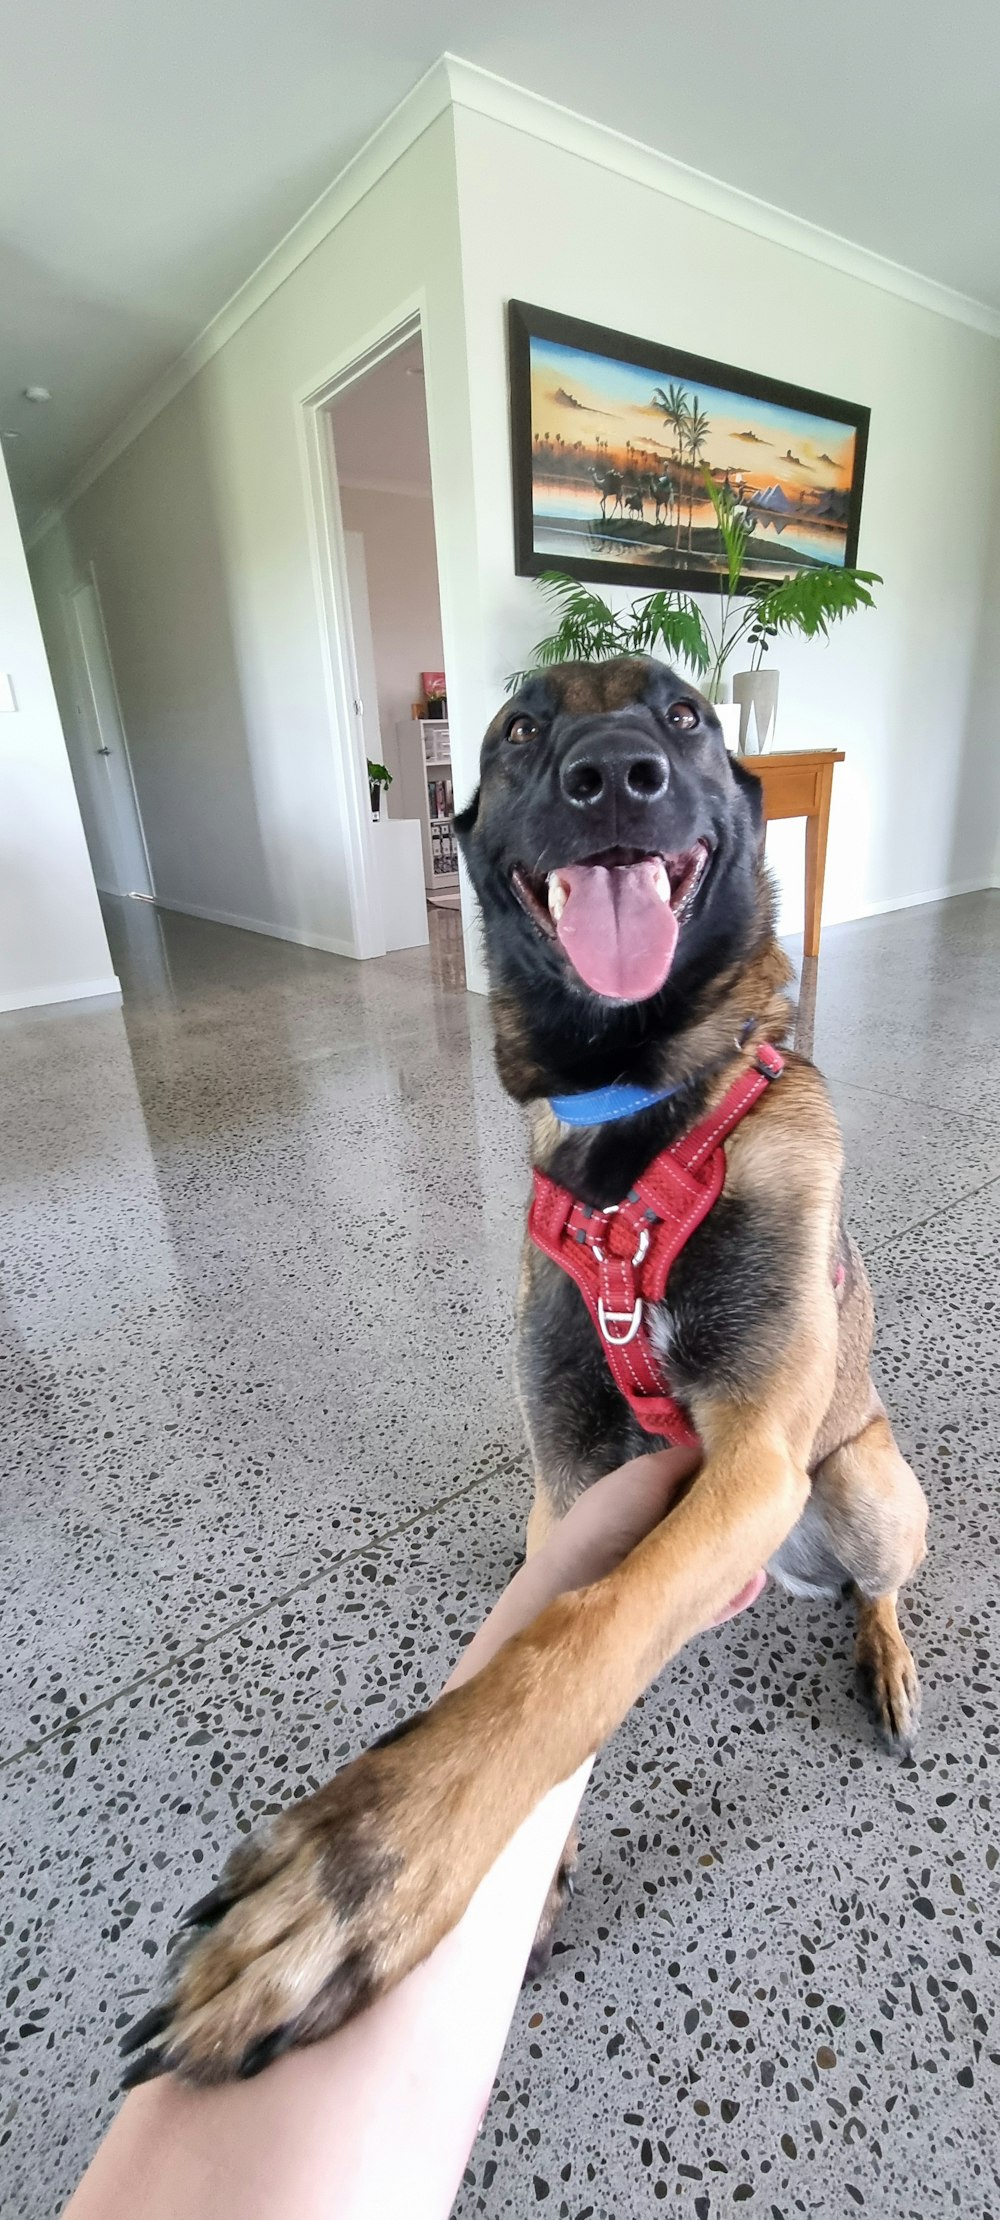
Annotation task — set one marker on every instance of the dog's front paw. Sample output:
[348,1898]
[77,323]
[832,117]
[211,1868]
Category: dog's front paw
[348,1891]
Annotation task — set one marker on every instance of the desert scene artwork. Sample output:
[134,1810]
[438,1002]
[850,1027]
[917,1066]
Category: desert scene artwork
[620,453]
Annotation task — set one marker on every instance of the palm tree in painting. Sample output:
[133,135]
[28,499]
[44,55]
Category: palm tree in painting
[698,427]
[673,404]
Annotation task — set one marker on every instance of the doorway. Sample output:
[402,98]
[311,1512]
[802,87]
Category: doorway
[108,800]
[380,458]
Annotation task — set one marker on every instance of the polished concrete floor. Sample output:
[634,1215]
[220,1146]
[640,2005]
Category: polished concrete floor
[263,1473]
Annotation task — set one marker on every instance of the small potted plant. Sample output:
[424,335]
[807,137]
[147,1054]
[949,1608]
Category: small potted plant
[378,777]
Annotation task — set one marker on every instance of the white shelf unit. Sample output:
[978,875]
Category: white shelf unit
[428,795]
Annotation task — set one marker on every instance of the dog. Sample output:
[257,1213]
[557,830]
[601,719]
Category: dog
[639,998]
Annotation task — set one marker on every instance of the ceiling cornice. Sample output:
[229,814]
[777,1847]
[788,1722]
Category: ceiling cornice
[479,89]
[454,82]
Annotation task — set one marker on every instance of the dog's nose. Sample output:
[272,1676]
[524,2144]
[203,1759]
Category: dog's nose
[596,772]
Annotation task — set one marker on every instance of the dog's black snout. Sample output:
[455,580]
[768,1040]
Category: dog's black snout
[597,772]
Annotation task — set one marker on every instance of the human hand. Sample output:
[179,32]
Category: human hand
[608,1521]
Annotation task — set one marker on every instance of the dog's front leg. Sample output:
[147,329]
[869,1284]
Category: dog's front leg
[356,1885]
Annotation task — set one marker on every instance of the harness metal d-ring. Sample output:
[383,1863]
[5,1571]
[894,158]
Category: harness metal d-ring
[632,1320]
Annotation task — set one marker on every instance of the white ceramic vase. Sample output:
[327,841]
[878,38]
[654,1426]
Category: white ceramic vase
[755,693]
[728,714]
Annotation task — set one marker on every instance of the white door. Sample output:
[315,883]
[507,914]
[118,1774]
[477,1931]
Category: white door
[122,865]
[369,734]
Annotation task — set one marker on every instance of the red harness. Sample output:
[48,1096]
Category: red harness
[621,1256]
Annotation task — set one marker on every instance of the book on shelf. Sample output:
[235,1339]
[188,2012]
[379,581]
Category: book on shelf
[440,798]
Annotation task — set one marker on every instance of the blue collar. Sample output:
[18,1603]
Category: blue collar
[602,1105]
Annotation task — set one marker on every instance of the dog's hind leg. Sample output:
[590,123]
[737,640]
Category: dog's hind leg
[875,1515]
[887,1672]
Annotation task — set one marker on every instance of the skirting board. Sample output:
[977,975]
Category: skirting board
[257,925]
[917,901]
[476,975]
[832,923]
[36,998]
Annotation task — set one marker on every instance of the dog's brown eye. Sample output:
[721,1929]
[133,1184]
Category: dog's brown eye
[682,715]
[522,728]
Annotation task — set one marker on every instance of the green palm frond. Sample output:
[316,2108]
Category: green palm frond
[589,631]
[668,621]
[811,600]
[733,530]
[586,621]
[578,606]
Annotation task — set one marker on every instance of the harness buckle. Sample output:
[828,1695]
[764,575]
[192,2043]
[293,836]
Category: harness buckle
[630,1319]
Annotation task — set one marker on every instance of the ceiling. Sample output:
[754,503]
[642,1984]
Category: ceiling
[151,156]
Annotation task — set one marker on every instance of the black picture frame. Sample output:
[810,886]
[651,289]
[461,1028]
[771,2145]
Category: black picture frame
[526,323]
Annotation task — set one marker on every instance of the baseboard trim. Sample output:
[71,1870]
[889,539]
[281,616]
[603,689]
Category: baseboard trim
[300,939]
[38,998]
[919,901]
[900,902]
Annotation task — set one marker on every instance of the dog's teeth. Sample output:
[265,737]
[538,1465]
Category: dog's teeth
[661,882]
[558,896]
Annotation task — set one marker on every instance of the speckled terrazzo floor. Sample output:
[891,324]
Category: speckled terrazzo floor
[262,1473]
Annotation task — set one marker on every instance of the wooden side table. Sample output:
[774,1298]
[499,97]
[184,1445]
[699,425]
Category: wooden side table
[800,785]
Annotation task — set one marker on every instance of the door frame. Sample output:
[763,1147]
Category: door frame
[78,653]
[329,561]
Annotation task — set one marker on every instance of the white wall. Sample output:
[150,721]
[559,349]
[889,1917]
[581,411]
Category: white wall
[915,805]
[53,946]
[985,706]
[401,561]
[201,537]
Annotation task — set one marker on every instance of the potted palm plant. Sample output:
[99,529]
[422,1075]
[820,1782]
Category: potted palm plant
[752,612]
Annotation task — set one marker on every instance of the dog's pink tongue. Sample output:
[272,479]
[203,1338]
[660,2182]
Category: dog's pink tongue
[616,930]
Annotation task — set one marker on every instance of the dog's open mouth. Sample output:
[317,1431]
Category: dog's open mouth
[617,917]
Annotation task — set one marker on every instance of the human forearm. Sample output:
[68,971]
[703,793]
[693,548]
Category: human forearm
[379,2117]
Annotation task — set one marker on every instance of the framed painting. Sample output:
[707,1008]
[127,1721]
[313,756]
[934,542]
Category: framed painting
[612,438]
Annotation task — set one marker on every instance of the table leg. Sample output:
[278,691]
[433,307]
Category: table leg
[817,828]
[805,1008]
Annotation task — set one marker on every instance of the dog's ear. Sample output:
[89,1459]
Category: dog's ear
[466,818]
